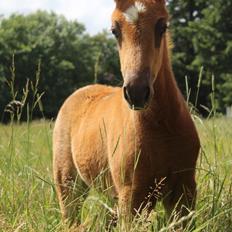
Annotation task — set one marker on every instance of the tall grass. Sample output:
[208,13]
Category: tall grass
[28,200]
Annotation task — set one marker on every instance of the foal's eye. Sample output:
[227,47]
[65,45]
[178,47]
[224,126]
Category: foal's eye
[160,29]
[116,30]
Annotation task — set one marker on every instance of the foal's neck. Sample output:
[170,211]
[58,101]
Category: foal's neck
[167,96]
[167,101]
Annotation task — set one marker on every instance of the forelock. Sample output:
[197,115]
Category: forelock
[132,13]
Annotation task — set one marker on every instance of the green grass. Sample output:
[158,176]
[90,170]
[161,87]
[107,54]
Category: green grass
[28,201]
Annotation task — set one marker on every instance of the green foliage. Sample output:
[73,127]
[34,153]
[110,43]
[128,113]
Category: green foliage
[213,46]
[67,55]
[107,68]
[202,34]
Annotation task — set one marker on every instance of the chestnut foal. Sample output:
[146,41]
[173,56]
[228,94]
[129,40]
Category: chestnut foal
[138,135]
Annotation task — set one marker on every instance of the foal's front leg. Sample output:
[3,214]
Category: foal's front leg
[133,200]
[181,200]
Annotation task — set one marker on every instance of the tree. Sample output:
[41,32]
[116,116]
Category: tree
[202,37]
[107,68]
[48,38]
[67,55]
[213,46]
[183,13]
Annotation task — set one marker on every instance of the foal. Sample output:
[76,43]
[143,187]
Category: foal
[141,134]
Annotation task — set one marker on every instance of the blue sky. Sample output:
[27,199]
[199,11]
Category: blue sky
[95,14]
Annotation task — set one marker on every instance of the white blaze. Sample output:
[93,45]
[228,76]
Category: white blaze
[140,6]
[132,13]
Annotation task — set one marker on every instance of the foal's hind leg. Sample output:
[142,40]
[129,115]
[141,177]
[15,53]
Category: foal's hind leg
[71,193]
[70,188]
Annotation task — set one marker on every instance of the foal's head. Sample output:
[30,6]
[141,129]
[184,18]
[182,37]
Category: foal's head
[139,27]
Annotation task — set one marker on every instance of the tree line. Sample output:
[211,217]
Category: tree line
[44,57]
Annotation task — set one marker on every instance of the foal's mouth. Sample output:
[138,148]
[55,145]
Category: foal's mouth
[138,108]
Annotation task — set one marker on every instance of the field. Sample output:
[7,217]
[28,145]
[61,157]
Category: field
[28,200]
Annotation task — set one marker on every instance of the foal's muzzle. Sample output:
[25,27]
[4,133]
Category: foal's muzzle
[137,96]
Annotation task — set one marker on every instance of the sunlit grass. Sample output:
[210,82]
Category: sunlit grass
[28,200]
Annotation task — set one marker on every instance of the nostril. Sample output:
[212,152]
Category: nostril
[147,94]
[126,95]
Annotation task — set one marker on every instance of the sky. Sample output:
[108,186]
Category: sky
[94,14]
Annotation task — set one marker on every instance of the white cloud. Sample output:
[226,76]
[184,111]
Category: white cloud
[95,14]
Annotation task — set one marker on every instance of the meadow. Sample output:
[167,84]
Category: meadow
[28,200]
